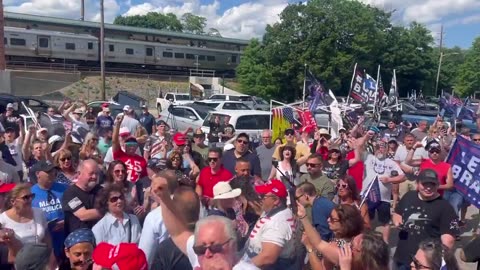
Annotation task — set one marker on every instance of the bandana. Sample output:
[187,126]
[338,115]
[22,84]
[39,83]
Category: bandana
[79,236]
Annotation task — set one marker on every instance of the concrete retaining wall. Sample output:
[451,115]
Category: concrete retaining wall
[27,83]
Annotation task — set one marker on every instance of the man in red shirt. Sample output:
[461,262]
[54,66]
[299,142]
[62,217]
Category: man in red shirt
[136,165]
[211,175]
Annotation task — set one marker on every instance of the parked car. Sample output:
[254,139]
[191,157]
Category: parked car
[255,103]
[172,99]
[223,105]
[115,108]
[182,117]
[33,103]
[252,122]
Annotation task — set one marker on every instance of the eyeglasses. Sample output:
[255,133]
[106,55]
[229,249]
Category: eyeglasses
[242,142]
[175,159]
[476,140]
[299,196]
[342,185]
[418,265]
[212,159]
[65,158]
[214,248]
[313,164]
[432,151]
[289,133]
[114,199]
[332,219]
[28,197]
[119,171]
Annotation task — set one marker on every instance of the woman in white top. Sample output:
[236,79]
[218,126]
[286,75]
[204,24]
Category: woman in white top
[116,226]
[29,224]
[287,165]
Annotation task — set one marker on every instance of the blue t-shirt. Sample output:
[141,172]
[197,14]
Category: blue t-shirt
[104,123]
[51,204]
[147,121]
[321,209]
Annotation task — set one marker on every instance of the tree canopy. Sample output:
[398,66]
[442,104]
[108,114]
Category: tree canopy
[188,23]
[330,36]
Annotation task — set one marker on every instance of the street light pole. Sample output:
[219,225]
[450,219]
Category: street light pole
[442,55]
[102,52]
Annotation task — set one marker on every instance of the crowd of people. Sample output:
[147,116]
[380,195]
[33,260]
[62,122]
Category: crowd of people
[133,193]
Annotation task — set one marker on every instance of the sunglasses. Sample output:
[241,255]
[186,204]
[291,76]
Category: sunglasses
[342,185]
[312,165]
[332,219]
[114,199]
[298,197]
[28,197]
[215,248]
[198,136]
[210,159]
[120,171]
[175,159]
[242,142]
[476,140]
[289,133]
[437,151]
[65,158]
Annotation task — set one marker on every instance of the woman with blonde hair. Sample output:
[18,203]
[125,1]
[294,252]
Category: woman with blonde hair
[66,172]
[89,149]
[28,223]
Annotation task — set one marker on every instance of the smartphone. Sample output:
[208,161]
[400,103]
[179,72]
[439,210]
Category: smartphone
[275,163]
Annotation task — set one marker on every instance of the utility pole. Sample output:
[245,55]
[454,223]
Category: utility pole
[439,61]
[3,65]
[82,10]
[102,52]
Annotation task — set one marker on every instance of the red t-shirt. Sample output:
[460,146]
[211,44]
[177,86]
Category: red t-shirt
[441,169]
[207,180]
[136,165]
[356,171]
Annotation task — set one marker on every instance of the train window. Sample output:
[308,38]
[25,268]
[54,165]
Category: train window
[179,55]
[129,51]
[234,59]
[90,45]
[111,47]
[190,56]
[149,51]
[43,42]
[18,42]
[210,58]
[201,58]
[167,54]
[70,46]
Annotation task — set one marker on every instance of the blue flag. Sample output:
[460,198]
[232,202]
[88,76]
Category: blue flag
[465,160]
[373,195]
[317,94]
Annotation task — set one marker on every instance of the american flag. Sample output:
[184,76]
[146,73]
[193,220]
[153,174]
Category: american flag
[373,195]
[277,112]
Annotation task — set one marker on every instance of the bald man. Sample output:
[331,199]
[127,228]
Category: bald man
[78,200]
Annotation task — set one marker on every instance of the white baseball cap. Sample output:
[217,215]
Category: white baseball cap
[223,190]
[124,131]
[126,108]
[9,105]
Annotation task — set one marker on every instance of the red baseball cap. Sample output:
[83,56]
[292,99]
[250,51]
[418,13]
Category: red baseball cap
[180,139]
[6,187]
[275,187]
[125,256]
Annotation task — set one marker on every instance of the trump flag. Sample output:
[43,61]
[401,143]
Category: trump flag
[465,160]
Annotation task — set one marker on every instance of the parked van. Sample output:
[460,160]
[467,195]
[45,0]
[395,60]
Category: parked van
[253,102]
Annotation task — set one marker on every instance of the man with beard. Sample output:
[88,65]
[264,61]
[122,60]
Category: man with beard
[388,172]
[79,199]
[423,215]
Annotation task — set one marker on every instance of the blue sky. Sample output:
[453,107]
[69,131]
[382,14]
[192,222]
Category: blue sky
[246,19]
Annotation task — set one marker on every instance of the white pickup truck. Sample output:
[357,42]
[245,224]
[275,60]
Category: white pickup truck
[172,98]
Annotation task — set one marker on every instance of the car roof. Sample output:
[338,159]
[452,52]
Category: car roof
[216,101]
[238,113]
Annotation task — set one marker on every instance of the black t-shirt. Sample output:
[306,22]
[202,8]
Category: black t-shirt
[169,256]
[422,220]
[73,199]
[335,171]
[140,186]
[213,134]
[4,258]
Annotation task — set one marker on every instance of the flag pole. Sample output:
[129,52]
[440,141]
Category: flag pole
[367,192]
[351,83]
[396,89]
[304,84]
[271,114]
[376,92]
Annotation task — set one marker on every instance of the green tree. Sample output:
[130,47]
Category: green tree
[452,59]
[153,20]
[331,36]
[193,24]
[468,80]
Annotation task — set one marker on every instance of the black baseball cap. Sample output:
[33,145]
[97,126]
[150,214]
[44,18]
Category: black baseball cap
[433,144]
[157,164]
[428,176]
[9,129]
[40,166]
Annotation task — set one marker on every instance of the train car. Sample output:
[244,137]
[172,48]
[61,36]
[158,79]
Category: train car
[38,45]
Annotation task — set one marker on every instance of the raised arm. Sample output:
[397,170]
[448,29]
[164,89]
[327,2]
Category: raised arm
[116,131]
[66,113]
[409,159]
[26,152]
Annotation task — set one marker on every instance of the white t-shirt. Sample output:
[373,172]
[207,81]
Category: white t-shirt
[16,151]
[402,152]
[8,173]
[193,258]
[29,232]
[131,124]
[109,155]
[374,167]
[278,229]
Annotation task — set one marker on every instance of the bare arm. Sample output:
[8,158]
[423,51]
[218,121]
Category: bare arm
[87,214]
[115,136]
[268,256]
[26,143]
[66,113]
[198,188]
[449,181]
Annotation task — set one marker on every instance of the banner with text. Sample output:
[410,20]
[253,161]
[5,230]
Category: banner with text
[465,160]
[357,92]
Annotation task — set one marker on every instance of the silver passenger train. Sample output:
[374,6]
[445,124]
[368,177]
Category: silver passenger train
[40,45]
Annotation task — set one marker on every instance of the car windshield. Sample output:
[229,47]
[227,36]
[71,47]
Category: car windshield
[211,116]
[203,112]
[260,100]
[182,97]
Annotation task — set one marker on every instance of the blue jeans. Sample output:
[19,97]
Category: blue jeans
[455,199]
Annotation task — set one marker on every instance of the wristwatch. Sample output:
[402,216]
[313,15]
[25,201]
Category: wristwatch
[309,250]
